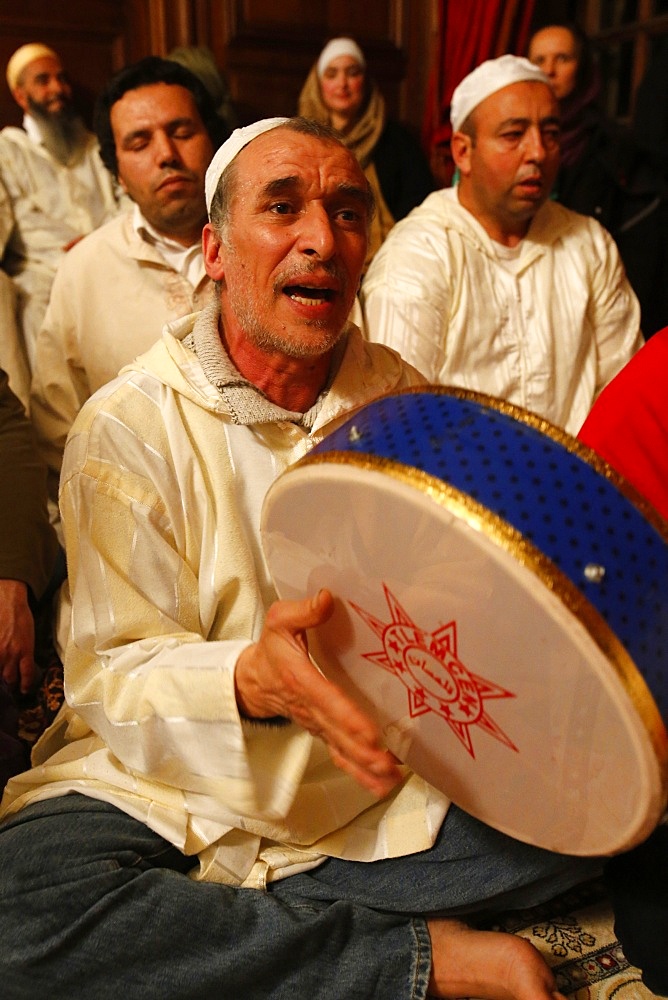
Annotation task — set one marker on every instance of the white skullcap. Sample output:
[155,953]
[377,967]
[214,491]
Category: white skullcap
[229,150]
[23,57]
[486,79]
[339,47]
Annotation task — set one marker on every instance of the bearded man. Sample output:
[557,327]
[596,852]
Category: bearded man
[55,185]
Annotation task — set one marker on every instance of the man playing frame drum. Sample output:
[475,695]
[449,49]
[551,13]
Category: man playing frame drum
[209,816]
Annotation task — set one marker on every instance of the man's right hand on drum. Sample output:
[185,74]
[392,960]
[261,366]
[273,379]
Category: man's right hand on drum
[275,677]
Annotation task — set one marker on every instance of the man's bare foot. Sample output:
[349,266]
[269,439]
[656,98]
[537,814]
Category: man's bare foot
[486,964]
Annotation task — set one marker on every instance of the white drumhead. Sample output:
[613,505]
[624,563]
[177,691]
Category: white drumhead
[483,679]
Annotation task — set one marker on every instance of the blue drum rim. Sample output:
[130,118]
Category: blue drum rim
[493,476]
[557,434]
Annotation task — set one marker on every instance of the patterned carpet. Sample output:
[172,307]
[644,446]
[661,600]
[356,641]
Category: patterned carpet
[576,937]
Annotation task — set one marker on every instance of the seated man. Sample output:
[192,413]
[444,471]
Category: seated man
[116,290]
[209,816]
[58,189]
[491,286]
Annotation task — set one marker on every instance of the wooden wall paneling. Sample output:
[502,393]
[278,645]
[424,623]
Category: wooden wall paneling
[170,23]
[138,41]
[421,42]
[203,11]
[306,17]
[89,35]
[146,28]
[158,26]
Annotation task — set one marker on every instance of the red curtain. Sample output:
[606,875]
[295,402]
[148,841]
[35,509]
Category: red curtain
[469,32]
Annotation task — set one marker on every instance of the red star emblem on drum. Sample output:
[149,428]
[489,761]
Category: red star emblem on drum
[437,681]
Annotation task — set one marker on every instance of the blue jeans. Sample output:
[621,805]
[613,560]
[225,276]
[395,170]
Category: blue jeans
[93,904]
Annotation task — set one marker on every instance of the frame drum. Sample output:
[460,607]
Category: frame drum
[501,610]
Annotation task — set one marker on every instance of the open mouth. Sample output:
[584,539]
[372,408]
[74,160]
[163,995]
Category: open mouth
[531,189]
[309,296]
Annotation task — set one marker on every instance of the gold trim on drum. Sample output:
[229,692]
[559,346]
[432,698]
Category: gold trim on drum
[505,536]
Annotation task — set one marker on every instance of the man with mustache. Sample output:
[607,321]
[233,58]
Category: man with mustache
[55,186]
[114,292]
[209,816]
[490,285]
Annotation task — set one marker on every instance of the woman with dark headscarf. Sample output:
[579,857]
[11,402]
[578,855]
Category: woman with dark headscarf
[603,173]
[593,149]
[338,92]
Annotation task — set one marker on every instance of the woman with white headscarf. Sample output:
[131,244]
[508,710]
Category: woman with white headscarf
[339,92]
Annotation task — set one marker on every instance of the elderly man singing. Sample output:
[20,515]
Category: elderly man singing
[209,816]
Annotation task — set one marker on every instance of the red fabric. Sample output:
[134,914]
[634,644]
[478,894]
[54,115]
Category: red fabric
[468,33]
[628,424]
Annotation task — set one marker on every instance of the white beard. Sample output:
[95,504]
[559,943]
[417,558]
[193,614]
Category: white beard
[64,135]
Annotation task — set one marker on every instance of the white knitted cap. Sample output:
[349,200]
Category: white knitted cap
[339,47]
[23,57]
[486,79]
[229,150]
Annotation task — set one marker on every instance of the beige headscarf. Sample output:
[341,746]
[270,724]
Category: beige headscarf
[361,139]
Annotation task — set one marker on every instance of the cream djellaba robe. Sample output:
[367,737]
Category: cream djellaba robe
[51,204]
[160,495]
